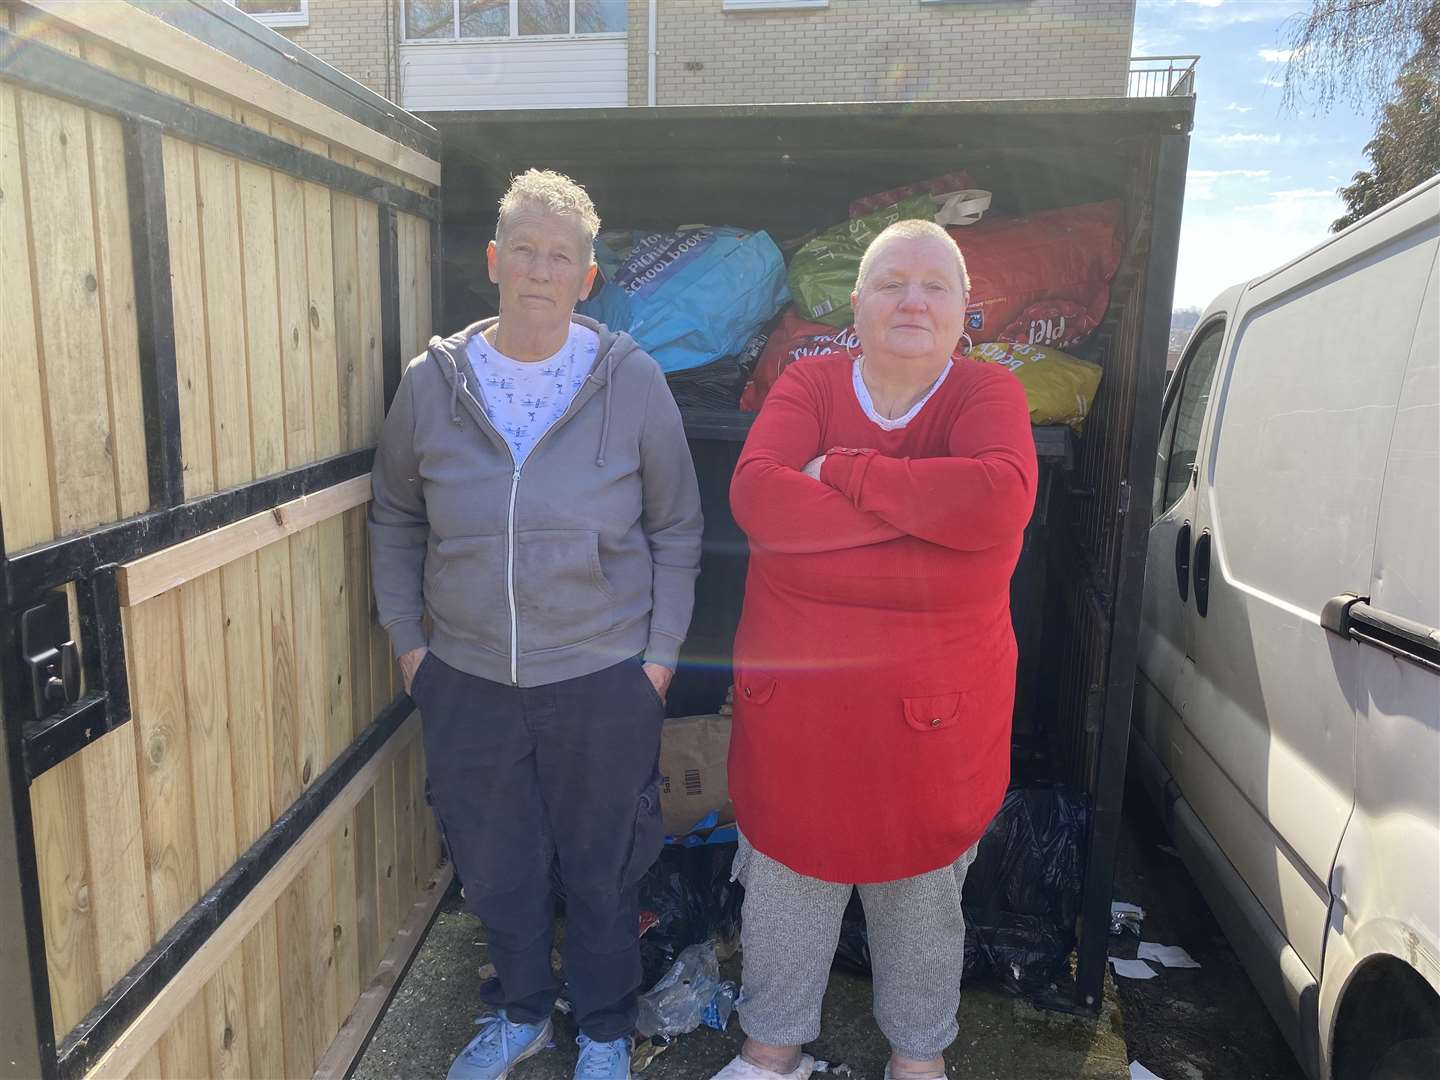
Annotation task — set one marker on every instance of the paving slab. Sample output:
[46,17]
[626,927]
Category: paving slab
[1001,1037]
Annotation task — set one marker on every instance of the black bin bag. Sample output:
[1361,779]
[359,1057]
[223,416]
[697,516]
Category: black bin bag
[1022,894]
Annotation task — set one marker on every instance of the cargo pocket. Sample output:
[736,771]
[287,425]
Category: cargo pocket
[465,590]
[647,838]
[933,712]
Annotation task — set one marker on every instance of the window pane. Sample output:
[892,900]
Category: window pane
[1158,505]
[269,7]
[599,16]
[544,16]
[429,19]
[1190,409]
[484,18]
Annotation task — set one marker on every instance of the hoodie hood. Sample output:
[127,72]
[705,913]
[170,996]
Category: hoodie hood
[449,354]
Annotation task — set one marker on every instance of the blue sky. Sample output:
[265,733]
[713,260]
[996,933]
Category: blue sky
[1262,178]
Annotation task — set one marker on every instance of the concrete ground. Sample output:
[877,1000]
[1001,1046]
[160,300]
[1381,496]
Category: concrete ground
[1001,1038]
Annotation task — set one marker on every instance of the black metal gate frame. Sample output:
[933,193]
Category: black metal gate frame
[90,560]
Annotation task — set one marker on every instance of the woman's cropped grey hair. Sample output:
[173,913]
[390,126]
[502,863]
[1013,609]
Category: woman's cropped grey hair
[912,229]
[554,193]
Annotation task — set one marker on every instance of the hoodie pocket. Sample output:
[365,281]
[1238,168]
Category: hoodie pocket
[560,588]
[465,591]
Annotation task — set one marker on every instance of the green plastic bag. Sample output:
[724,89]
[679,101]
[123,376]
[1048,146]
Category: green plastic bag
[822,273]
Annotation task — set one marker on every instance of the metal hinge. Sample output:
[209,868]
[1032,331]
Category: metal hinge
[51,656]
[1123,507]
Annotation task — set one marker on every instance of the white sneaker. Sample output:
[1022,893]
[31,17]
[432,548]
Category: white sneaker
[740,1069]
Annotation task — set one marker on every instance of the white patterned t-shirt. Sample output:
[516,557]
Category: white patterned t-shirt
[523,399]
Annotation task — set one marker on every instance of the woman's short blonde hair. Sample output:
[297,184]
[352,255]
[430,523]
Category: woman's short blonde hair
[554,193]
[912,229]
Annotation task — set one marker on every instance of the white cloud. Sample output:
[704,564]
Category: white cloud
[1272,82]
[1222,244]
[1277,56]
[1202,183]
[1205,3]
[1245,138]
[1236,107]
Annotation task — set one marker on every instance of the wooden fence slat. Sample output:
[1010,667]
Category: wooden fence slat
[171,567]
[115,258]
[25,496]
[119,893]
[57,800]
[371,364]
[202,628]
[348,330]
[66,287]
[388,900]
[228,1026]
[260,958]
[220,250]
[250,725]
[185,1048]
[320,272]
[294,321]
[409,326]
[188,302]
[157,685]
[262,318]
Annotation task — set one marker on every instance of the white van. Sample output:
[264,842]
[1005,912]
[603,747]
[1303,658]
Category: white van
[1287,712]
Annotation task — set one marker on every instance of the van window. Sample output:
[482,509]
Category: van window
[1180,435]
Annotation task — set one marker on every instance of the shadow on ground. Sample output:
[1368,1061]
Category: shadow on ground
[1001,1038]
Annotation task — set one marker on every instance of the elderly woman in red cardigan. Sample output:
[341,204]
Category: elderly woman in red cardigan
[884,491]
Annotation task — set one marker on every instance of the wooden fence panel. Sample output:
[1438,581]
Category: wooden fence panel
[250,675]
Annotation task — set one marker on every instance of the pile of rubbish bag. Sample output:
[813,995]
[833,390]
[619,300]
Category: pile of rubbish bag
[1022,897]
[1022,894]
[723,310]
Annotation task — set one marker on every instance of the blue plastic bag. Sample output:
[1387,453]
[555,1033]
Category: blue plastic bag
[692,296]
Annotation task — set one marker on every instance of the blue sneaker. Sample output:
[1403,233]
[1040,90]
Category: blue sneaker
[499,1046]
[603,1060]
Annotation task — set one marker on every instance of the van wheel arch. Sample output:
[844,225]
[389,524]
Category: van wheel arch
[1388,1017]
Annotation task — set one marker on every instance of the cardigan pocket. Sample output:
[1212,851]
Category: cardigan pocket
[755,687]
[934,712]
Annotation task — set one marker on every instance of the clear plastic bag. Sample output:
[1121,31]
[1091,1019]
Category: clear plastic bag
[677,1003]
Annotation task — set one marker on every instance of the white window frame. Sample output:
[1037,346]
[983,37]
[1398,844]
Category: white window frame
[514,35]
[771,5]
[280,19]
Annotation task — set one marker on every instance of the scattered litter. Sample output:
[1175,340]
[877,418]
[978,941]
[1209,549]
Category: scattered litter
[1140,1072]
[1132,969]
[563,1006]
[722,1005]
[676,1004]
[1172,956]
[1168,850]
[646,1051]
[833,1068]
[1126,918]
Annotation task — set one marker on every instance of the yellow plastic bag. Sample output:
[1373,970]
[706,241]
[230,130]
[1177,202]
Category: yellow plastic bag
[1060,387]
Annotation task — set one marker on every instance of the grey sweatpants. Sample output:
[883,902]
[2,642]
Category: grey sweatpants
[789,929]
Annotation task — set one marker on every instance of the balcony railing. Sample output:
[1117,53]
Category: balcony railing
[1162,76]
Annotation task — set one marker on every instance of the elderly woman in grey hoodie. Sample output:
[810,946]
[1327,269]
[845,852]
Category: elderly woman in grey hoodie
[535,538]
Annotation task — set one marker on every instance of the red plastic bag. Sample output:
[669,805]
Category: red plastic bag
[940,185]
[792,338]
[1041,279]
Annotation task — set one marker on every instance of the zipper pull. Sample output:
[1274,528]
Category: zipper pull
[517,473]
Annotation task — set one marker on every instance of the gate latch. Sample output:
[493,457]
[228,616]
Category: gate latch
[51,655]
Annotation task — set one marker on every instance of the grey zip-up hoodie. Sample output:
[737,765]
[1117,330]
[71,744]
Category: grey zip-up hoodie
[583,556]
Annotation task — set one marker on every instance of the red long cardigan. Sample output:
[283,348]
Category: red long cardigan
[875,660]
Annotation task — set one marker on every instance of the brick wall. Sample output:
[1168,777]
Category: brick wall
[882,50]
[350,35]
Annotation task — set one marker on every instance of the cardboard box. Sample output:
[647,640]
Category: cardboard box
[693,777]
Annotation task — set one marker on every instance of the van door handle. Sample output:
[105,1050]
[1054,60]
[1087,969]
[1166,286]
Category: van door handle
[1351,616]
[1202,574]
[1182,561]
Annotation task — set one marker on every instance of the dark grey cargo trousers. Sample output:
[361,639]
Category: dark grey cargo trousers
[563,776]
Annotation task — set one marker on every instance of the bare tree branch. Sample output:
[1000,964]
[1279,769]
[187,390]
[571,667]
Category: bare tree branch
[1353,50]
